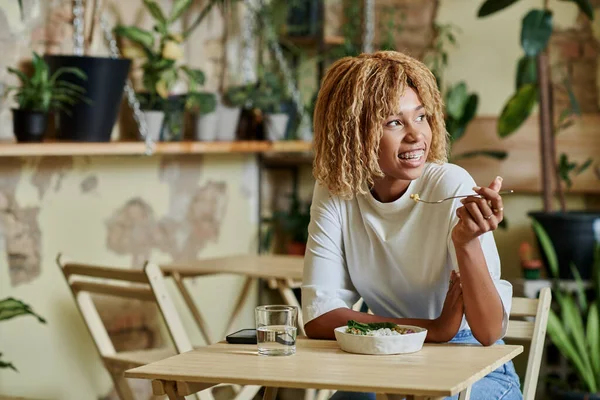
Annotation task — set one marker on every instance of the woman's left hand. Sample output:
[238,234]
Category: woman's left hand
[479,215]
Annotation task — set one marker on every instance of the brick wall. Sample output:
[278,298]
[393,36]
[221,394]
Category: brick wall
[574,55]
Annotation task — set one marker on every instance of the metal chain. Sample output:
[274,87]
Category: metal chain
[138,115]
[78,28]
[248,56]
[273,43]
[369,29]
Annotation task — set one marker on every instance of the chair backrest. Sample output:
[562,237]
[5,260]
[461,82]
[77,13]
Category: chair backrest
[147,285]
[533,331]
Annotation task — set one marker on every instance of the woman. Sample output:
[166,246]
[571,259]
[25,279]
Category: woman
[380,138]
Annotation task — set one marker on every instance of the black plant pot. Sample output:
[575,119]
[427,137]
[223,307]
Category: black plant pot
[29,126]
[560,394]
[106,77]
[573,235]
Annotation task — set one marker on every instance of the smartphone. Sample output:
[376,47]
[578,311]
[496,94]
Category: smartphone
[245,336]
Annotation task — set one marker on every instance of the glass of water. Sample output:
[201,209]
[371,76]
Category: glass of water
[276,328]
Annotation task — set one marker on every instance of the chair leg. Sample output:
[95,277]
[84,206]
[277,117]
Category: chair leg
[324,394]
[310,394]
[465,394]
[248,392]
[121,386]
[270,393]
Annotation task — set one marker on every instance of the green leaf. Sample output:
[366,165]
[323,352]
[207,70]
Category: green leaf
[547,247]
[68,70]
[572,99]
[584,166]
[470,109]
[536,31]
[492,6]
[24,78]
[517,110]
[456,100]
[196,75]
[21,9]
[526,71]
[560,338]
[581,297]
[593,336]
[5,364]
[140,36]
[155,11]
[496,154]
[585,7]
[179,8]
[11,308]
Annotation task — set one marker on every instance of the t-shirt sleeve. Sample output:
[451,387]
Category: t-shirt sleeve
[488,245]
[326,284]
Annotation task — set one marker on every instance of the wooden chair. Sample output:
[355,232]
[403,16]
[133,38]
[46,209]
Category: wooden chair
[533,331]
[146,285]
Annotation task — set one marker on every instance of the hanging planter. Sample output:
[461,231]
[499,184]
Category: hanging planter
[41,93]
[92,121]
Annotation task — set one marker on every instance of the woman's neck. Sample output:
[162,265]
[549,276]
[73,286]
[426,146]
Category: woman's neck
[387,190]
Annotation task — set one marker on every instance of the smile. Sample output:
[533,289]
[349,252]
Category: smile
[412,155]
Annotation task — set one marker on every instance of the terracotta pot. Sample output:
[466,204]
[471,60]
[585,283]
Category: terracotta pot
[296,248]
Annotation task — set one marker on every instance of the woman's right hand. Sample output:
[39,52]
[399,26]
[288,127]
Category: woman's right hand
[446,326]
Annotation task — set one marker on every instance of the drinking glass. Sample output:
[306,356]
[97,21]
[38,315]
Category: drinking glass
[276,329]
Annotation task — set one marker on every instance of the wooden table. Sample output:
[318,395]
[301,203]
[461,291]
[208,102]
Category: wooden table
[281,272]
[434,372]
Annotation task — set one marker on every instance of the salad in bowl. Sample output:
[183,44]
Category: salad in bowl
[380,338]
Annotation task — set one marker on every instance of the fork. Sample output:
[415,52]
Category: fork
[417,199]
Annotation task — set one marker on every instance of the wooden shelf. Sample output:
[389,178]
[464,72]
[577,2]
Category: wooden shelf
[311,41]
[12,149]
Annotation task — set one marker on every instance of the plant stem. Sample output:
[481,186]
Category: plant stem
[546,134]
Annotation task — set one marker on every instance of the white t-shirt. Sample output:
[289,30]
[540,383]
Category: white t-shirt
[397,256]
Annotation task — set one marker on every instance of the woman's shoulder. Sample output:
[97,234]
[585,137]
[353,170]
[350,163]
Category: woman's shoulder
[447,178]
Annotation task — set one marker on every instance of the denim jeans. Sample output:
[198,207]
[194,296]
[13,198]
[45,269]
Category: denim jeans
[501,384]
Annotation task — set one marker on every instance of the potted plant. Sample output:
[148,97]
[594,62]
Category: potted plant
[293,223]
[39,94]
[204,105]
[12,308]
[574,326]
[571,232]
[91,121]
[161,51]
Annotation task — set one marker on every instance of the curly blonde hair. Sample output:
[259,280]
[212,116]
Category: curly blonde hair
[356,96]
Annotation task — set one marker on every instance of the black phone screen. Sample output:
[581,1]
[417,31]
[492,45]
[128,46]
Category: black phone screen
[245,336]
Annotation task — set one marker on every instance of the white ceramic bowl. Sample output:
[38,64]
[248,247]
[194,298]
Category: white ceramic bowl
[397,344]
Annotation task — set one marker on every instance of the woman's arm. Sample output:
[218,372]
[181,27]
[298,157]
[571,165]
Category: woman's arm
[439,330]
[484,310]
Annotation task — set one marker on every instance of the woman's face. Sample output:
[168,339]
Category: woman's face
[406,139]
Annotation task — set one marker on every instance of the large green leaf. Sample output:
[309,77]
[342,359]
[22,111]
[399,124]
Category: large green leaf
[560,338]
[526,71]
[136,35]
[491,6]
[585,7]
[24,78]
[593,337]
[470,108]
[156,11]
[11,308]
[573,323]
[496,154]
[179,8]
[456,100]
[195,75]
[517,110]
[536,31]
[547,247]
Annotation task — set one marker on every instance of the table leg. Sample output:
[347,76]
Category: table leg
[290,299]
[239,304]
[171,390]
[465,394]
[200,322]
[270,393]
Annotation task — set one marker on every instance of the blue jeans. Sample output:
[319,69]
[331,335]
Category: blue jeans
[501,384]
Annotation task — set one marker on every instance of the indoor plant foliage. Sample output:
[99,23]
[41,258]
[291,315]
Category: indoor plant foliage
[39,94]
[571,232]
[293,222]
[11,308]
[575,325]
[162,54]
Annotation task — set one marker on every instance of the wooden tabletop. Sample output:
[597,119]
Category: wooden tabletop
[252,265]
[436,370]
